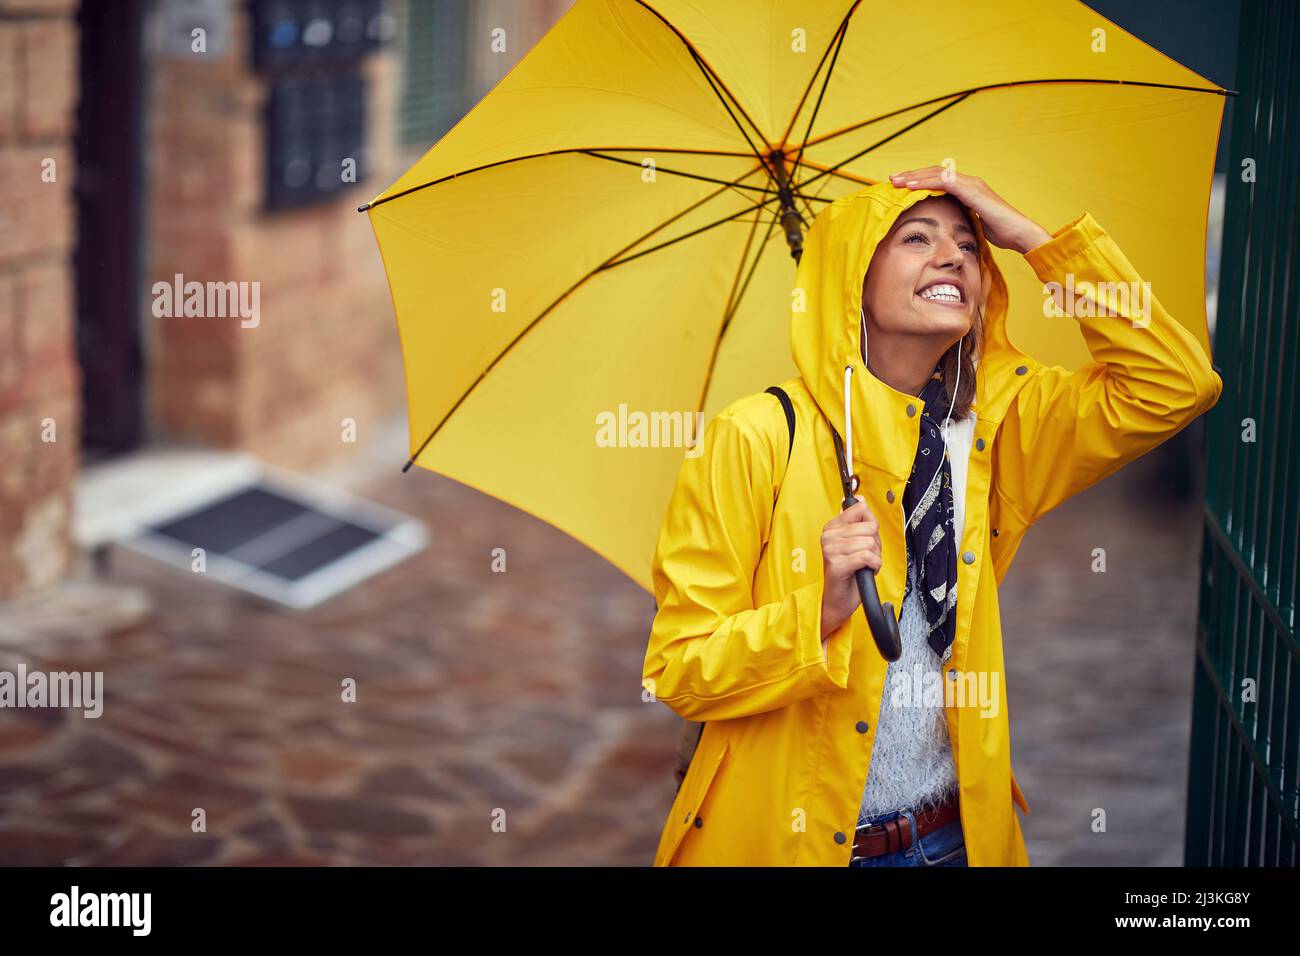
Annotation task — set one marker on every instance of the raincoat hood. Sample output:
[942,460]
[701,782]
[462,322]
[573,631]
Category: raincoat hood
[825,326]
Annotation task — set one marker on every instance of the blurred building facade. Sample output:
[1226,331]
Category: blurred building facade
[38,373]
[149,144]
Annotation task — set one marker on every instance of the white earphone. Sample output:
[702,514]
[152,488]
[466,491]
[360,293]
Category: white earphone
[848,418]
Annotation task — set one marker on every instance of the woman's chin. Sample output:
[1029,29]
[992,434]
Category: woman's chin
[956,323]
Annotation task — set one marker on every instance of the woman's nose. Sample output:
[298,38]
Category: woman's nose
[949,250]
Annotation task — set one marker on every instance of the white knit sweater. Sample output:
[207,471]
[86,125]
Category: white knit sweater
[911,759]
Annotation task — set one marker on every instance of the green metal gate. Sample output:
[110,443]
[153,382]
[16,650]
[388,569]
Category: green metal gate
[1243,782]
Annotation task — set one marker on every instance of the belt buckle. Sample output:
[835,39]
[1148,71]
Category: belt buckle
[867,827]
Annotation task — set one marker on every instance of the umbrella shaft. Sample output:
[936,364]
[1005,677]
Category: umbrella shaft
[790,220]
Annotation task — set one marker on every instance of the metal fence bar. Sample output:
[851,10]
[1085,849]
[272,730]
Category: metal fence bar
[1243,803]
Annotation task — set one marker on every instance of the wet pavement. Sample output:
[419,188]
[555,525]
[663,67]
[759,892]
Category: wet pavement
[498,716]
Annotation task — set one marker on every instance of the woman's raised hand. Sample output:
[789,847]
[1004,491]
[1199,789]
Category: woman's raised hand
[1004,225]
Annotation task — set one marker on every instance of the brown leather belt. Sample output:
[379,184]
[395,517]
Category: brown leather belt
[896,834]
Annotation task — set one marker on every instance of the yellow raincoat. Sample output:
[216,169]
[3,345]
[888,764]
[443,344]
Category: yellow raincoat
[778,776]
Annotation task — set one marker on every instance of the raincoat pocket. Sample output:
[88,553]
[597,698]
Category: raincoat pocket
[685,814]
[1017,795]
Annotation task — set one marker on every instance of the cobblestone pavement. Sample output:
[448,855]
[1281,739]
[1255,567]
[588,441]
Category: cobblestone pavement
[1099,673]
[485,698]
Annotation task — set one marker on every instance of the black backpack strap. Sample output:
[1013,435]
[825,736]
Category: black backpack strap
[786,404]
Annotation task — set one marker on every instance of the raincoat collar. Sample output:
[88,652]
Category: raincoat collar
[825,329]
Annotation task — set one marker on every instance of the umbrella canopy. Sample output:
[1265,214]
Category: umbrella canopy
[596,258]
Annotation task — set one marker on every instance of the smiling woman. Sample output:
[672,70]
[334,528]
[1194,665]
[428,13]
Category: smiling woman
[923,296]
[809,754]
[921,313]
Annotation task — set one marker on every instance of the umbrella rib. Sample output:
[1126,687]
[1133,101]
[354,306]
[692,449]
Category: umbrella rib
[842,33]
[524,331]
[732,307]
[686,175]
[997,86]
[718,152]
[807,205]
[749,243]
[696,232]
[711,76]
[744,286]
[725,105]
[849,177]
[827,182]
[893,135]
[552,152]
[837,41]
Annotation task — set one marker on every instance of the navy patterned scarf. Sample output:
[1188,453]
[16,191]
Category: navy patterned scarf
[931,542]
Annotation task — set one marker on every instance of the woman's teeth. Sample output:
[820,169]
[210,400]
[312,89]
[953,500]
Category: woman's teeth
[941,293]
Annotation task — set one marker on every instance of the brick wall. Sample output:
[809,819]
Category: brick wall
[39,380]
[326,346]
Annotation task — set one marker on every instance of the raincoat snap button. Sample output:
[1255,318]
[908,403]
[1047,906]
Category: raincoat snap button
[911,410]
[862,726]
[699,822]
[968,557]
[889,496]
[952,673]
[1022,369]
[840,837]
[979,444]
[995,532]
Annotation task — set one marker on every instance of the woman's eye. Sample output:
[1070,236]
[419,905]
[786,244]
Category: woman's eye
[970,247]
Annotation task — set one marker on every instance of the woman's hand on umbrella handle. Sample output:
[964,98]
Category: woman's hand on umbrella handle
[850,541]
[1004,225]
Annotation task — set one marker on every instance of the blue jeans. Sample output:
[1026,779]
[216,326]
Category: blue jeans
[945,846]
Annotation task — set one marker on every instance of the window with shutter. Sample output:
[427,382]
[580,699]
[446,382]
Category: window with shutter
[435,88]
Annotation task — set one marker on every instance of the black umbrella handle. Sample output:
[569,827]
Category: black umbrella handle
[880,617]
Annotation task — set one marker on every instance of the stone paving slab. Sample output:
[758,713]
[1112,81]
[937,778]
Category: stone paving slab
[498,717]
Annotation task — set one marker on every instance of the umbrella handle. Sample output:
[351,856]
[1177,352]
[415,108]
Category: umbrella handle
[880,617]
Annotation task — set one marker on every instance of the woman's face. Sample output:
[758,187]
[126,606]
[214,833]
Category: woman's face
[931,246]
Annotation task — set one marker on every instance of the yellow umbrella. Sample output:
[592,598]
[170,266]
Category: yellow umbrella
[598,256]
